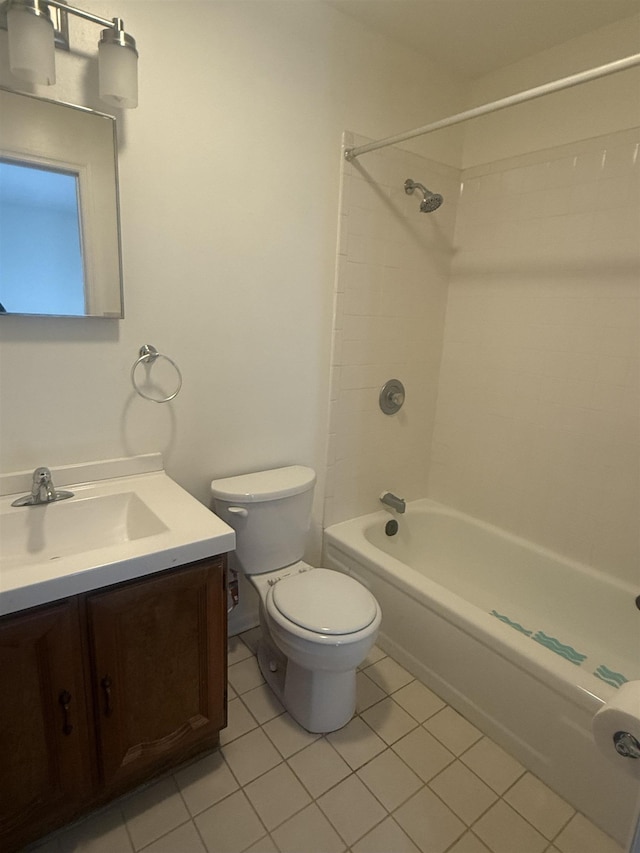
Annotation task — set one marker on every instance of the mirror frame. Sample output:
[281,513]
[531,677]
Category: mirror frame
[65,137]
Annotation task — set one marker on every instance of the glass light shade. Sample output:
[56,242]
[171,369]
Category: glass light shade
[118,74]
[31,46]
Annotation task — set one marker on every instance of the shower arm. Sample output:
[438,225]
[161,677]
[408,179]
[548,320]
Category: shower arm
[410,186]
[494,106]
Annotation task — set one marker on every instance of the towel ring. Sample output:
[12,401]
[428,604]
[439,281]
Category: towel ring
[149,354]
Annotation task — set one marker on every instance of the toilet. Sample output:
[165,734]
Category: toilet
[318,625]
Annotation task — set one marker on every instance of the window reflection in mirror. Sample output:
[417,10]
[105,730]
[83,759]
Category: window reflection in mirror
[59,213]
[41,268]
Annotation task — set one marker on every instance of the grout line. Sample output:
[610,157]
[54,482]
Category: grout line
[469,831]
[195,826]
[248,799]
[164,835]
[126,828]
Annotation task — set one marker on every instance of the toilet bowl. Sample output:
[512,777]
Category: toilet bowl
[318,625]
[318,645]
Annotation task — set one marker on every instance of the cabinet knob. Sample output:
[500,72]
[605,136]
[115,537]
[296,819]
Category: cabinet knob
[106,687]
[65,700]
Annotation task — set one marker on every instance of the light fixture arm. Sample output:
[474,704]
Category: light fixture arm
[80,13]
[117,52]
[115,24]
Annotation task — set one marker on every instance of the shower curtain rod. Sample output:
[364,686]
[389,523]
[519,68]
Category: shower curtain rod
[494,106]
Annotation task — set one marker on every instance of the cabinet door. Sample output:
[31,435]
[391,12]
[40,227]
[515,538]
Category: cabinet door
[44,746]
[159,659]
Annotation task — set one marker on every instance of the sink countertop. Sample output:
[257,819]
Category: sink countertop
[182,530]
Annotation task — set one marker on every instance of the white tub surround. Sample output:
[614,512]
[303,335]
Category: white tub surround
[390,300]
[527,645]
[537,424]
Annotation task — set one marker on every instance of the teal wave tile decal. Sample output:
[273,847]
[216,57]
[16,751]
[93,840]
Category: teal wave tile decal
[508,621]
[559,648]
[615,679]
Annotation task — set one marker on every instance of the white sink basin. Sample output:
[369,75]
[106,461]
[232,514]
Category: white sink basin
[67,527]
[111,530]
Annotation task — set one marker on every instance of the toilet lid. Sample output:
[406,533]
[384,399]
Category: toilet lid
[325,602]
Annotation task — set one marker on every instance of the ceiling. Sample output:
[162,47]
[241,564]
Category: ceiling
[470,38]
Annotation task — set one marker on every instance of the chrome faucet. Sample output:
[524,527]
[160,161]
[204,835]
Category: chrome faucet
[388,498]
[42,490]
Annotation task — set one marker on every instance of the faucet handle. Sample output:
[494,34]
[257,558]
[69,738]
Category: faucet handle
[42,490]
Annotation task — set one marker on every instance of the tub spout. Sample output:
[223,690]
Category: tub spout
[393,501]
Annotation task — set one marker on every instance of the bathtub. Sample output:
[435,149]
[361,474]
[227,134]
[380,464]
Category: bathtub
[524,643]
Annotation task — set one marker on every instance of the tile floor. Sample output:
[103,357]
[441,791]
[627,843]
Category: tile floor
[406,775]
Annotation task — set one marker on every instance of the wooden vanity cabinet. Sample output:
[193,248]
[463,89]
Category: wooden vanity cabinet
[101,691]
[158,671]
[45,754]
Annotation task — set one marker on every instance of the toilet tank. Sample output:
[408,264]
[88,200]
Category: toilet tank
[271,514]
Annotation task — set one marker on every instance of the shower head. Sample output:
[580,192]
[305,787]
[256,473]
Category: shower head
[430,201]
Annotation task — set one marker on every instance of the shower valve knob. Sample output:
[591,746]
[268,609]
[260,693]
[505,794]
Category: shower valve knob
[392,396]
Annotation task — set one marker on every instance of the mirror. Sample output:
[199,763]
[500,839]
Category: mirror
[59,218]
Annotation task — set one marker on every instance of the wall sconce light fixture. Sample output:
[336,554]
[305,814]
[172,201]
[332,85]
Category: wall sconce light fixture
[36,27]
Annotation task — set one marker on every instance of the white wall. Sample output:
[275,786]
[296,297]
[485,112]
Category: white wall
[537,424]
[538,415]
[591,109]
[391,294]
[229,179]
[229,190]
[229,174]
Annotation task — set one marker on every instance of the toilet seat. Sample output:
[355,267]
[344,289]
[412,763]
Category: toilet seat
[323,601]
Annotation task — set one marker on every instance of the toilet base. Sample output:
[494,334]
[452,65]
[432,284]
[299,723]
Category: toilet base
[319,701]
[273,666]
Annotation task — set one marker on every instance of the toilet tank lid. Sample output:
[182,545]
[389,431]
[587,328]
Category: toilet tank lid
[264,485]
